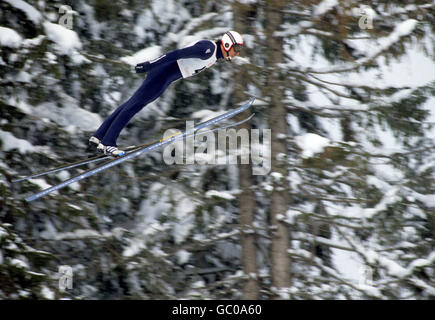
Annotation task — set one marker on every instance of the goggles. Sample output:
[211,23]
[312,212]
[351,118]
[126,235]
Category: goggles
[237,47]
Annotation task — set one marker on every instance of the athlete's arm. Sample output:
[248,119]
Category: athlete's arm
[202,49]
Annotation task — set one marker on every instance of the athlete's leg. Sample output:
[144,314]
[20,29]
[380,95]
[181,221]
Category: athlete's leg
[154,86]
[100,133]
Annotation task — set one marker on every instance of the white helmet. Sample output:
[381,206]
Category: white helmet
[230,39]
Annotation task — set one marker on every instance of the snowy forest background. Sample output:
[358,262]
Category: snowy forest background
[347,210]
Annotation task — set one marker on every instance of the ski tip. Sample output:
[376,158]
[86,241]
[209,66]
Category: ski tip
[247,104]
[251,100]
[30,198]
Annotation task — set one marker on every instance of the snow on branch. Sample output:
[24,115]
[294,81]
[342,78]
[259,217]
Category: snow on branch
[403,29]
[301,236]
[185,34]
[393,268]
[84,234]
[66,40]
[323,7]
[9,38]
[31,13]
[293,30]
[334,274]
[390,197]
[407,9]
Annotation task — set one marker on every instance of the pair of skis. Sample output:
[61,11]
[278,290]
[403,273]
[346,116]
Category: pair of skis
[131,152]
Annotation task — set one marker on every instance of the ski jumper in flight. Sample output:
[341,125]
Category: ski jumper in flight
[177,64]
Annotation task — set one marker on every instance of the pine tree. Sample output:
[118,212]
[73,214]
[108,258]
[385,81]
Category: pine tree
[354,195]
[345,213]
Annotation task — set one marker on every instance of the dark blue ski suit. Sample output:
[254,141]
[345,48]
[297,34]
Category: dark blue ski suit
[161,73]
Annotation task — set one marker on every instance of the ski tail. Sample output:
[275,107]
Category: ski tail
[62,167]
[94,159]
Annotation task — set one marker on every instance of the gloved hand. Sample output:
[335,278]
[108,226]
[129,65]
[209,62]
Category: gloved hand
[143,67]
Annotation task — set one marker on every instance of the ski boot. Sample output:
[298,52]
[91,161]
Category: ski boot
[110,150]
[94,141]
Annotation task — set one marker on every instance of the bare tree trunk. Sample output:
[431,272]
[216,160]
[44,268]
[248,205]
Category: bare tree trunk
[249,250]
[246,198]
[280,268]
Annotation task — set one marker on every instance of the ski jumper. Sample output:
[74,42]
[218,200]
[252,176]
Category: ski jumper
[177,64]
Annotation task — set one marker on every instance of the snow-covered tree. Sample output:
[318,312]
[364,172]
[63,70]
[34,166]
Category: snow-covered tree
[359,111]
[346,212]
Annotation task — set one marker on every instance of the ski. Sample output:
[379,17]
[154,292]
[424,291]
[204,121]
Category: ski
[225,127]
[141,150]
[101,157]
[94,159]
